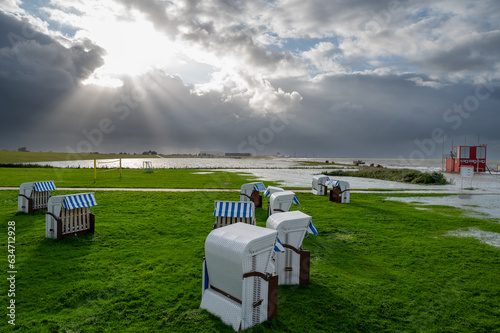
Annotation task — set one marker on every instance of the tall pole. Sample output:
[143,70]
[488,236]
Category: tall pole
[442,156]
[120,167]
[95,171]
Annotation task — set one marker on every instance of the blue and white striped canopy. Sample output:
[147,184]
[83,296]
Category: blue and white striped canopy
[233,209]
[296,200]
[333,183]
[79,201]
[259,187]
[311,228]
[278,246]
[44,186]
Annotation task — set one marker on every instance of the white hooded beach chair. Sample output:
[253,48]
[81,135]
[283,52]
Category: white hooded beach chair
[340,191]
[230,212]
[69,215]
[251,192]
[292,265]
[319,184]
[34,196]
[281,202]
[236,286]
[272,189]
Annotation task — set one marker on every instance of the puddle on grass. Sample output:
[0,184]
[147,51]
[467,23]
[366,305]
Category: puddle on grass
[202,173]
[490,238]
[479,205]
[422,208]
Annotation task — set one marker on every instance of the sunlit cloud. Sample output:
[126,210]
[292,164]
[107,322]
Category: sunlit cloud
[225,68]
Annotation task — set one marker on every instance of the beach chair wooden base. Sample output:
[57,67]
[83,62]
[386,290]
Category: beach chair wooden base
[257,199]
[63,229]
[35,204]
[305,264]
[31,210]
[335,195]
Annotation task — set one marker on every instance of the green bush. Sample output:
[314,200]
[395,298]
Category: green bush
[397,175]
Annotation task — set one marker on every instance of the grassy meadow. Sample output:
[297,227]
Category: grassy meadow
[131,178]
[376,266]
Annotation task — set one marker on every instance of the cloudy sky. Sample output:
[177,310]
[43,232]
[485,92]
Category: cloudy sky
[336,78]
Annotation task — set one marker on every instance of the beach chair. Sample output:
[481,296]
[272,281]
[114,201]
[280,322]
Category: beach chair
[251,192]
[272,189]
[230,212]
[292,265]
[319,184]
[281,202]
[340,191]
[34,196]
[69,215]
[236,285]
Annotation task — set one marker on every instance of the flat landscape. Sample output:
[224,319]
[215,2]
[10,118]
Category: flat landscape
[376,265]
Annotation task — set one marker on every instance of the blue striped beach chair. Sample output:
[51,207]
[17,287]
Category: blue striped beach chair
[230,212]
[33,196]
[69,215]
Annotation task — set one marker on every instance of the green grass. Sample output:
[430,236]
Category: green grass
[377,266]
[397,175]
[134,178]
[23,157]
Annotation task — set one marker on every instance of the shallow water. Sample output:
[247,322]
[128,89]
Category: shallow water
[487,204]
[292,173]
[490,238]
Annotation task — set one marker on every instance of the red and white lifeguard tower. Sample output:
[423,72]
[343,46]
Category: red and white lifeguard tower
[470,156]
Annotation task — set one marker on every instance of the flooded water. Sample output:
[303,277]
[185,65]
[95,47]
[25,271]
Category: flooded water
[292,172]
[245,163]
[476,205]
[490,238]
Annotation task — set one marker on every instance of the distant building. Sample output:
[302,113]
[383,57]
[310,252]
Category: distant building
[237,154]
[470,156]
[211,153]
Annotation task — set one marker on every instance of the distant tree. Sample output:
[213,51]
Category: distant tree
[22,149]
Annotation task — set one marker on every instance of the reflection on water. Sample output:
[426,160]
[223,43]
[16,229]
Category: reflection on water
[255,163]
[292,172]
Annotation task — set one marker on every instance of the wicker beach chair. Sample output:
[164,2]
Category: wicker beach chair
[272,189]
[319,184]
[340,192]
[292,266]
[34,196]
[251,192]
[236,284]
[281,202]
[69,215]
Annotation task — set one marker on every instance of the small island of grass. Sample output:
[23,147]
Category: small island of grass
[397,175]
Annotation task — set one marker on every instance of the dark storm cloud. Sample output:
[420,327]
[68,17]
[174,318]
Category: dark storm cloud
[29,55]
[381,85]
[37,72]
[478,53]
[15,30]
